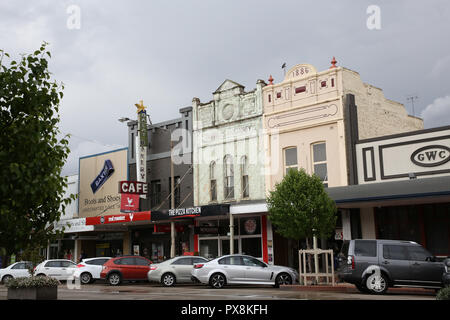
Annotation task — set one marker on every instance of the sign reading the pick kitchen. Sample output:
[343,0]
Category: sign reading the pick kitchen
[99,175]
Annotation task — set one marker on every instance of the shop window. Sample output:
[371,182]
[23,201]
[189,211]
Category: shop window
[290,159]
[209,248]
[250,226]
[436,227]
[244,171]
[229,177]
[155,192]
[252,247]
[213,181]
[320,161]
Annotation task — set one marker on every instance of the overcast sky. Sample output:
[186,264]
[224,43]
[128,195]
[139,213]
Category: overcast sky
[167,52]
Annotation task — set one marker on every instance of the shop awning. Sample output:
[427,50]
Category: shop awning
[119,218]
[414,191]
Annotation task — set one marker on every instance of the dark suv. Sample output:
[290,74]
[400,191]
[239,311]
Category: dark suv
[375,265]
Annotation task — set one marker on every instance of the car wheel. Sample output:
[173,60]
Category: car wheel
[282,279]
[41,275]
[217,281]
[86,278]
[168,280]
[6,278]
[377,284]
[114,279]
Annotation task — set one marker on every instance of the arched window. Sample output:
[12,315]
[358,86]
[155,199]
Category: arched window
[244,174]
[229,177]
[213,181]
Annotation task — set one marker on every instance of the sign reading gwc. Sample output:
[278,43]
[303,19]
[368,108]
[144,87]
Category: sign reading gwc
[106,172]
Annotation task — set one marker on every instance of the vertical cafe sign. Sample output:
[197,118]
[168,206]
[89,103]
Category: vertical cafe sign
[141,144]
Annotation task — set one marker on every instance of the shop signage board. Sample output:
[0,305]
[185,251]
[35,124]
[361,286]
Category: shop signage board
[73,225]
[192,212]
[166,228]
[133,187]
[99,176]
[129,202]
[119,218]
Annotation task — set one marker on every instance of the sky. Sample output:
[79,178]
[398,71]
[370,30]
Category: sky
[112,54]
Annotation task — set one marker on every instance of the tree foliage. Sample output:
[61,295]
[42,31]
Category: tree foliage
[31,155]
[300,208]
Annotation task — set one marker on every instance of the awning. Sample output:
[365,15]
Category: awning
[119,218]
[414,191]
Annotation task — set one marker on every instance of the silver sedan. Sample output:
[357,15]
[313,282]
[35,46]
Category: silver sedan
[174,270]
[242,269]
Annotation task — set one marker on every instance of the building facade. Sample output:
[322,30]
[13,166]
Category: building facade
[229,169]
[404,189]
[312,120]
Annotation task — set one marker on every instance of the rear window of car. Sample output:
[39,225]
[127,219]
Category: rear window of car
[394,252]
[53,264]
[183,261]
[365,248]
[141,262]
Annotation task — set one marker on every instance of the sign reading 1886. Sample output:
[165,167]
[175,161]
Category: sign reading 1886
[431,156]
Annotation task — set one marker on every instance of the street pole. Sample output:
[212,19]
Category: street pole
[231,234]
[172,203]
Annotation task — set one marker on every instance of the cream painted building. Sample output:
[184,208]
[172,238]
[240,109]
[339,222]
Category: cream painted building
[313,120]
[229,169]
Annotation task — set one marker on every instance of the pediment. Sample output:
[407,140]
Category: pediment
[227,85]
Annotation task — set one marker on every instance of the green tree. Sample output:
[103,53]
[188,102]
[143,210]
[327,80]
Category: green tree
[300,208]
[31,154]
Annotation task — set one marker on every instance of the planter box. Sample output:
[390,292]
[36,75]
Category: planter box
[42,293]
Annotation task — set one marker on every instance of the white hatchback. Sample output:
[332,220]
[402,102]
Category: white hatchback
[88,270]
[15,270]
[59,269]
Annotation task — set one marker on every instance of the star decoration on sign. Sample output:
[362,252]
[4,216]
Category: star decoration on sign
[140,107]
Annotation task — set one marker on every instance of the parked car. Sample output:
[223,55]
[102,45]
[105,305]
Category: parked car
[241,269]
[446,274]
[375,265]
[59,269]
[88,270]
[15,270]
[175,270]
[118,269]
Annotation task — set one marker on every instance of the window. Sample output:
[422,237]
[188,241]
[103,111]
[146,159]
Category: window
[365,248]
[244,172]
[209,248]
[418,253]
[67,264]
[332,82]
[229,177]
[183,262]
[19,266]
[278,95]
[176,190]
[252,262]
[233,261]
[323,84]
[300,89]
[155,191]
[198,260]
[290,159]
[213,181]
[141,262]
[53,264]
[394,252]
[320,161]
[270,98]
[251,246]
[96,262]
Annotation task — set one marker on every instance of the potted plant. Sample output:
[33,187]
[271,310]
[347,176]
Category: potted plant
[33,288]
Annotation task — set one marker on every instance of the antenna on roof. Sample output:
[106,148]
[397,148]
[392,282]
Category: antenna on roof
[284,68]
[412,98]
